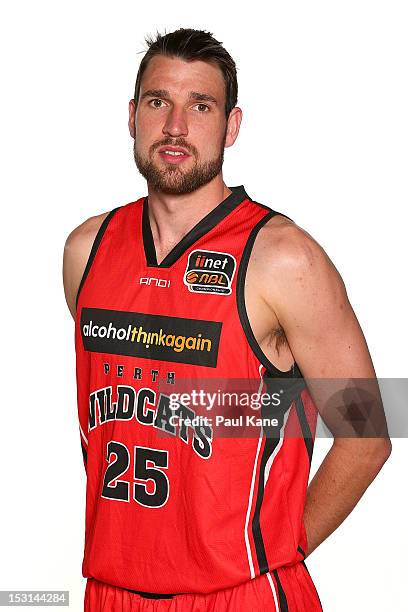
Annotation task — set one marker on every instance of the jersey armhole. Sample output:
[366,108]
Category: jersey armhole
[97,241]
[294,371]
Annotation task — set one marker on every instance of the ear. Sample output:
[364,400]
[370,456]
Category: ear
[233,125]
[132,112]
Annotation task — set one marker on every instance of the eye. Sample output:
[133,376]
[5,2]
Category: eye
[203,108]
[153,103]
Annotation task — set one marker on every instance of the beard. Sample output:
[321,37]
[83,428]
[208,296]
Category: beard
[172,179]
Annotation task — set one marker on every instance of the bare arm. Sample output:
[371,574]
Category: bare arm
[309,298]
[76,252]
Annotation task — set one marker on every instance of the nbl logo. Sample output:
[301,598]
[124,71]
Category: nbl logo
[209,272]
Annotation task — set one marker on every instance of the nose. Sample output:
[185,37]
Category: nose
[176,124]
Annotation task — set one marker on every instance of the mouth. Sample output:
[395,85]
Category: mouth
[173,155]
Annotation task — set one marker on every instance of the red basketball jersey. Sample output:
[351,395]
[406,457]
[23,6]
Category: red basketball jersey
[177,505]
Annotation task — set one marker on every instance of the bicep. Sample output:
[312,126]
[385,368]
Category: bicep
[328,344]
[72,270]
[77,249]
[320,325]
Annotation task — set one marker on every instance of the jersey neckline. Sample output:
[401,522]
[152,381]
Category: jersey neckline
[207,223]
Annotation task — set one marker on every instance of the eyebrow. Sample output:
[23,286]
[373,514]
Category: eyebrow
[155,93]
[163,93]
[203,97]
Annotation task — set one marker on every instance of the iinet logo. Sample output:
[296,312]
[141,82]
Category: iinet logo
[156,282]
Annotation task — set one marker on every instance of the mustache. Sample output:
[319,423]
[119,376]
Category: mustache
[179,142]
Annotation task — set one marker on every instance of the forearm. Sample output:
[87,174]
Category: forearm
[345,473]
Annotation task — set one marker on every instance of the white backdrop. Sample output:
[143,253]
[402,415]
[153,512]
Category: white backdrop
[323,87]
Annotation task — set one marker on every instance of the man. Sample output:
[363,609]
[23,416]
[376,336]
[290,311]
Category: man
[194,282]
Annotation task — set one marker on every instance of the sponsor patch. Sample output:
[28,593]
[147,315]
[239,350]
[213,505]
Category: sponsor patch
[137,334]
[209,272]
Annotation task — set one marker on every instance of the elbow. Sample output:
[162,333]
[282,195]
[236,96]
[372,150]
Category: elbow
[369,452]
[387,448]
[380,453]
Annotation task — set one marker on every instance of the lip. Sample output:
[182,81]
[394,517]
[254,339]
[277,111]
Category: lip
[171,148]
[173,159]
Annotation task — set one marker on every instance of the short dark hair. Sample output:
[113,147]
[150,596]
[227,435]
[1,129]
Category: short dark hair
[189,45]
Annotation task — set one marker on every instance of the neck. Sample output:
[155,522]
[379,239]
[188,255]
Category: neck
[173,216]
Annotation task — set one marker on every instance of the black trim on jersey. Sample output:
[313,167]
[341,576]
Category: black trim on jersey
[148,242]
[302,552]
[242,312]
[292,389]
[307,434]
[283,602]
[206,224]
[95,246]
[270,445]
[151,595]
[269,208]
[304,565]
[84,453]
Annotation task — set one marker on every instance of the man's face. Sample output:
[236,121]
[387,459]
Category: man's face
[179,125]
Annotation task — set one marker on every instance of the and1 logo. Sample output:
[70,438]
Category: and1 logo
[209,272]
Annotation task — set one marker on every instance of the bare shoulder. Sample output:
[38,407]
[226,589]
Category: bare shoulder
[77,249]
[281,243]
[85,232]
[283,246]
[289,264]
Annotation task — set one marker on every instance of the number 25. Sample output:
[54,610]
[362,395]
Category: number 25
[119,490]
